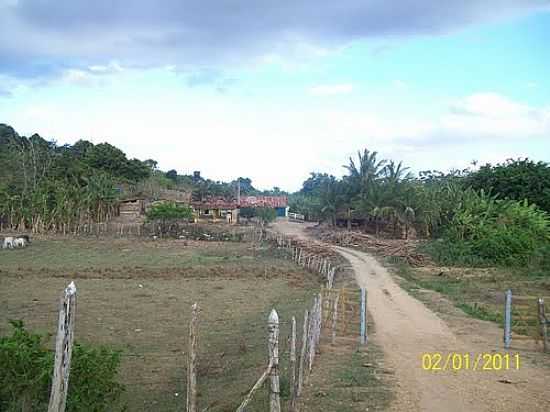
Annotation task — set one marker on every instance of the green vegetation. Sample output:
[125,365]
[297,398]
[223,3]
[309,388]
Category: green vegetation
[350,380]
[168,212]
[52,188]
[266,215]
[26,367]
[493,216]
[515,179]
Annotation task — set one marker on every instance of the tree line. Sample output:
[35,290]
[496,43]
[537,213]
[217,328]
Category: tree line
[46,187]
[496,213]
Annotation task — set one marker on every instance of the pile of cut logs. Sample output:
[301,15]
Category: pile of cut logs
[400,248]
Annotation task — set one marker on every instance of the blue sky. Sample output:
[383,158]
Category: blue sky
[436,88]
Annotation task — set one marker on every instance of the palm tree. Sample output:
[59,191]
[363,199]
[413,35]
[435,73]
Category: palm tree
[365,171]
[394,173]
[330,198]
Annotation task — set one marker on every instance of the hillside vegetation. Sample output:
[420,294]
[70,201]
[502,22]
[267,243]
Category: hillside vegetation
[496,215]
[49,187]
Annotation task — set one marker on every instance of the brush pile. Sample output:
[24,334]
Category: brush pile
[399,248]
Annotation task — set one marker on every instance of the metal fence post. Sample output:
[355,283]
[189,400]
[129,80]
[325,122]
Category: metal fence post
[508,319]
[543,325]
[363,316]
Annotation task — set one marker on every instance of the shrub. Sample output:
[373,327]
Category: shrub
[266,215]
[166,212]
[25,370]
[491,231]
[26,367]
[169,211]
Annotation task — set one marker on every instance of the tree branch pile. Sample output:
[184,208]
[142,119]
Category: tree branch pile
[399,248]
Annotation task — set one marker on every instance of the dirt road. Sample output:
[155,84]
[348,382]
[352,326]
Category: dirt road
[406,329]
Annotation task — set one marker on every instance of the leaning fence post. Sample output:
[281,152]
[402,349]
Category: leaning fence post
[192,360]
[303,353]
[543,325]
[292,368]
[63,350]
[363,316]
[273,347]
[508,318]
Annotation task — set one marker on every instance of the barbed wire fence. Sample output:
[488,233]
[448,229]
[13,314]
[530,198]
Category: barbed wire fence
[276,350]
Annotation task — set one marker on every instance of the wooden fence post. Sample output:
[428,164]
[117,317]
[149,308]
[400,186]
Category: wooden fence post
[192,360]
[335,317]
[543,325]
[314,330]
[273,347]
[363,316]
[303,353]
[508,319]
[320,318]
[292,368]
[63,350]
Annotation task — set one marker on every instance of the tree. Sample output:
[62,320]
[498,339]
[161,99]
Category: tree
[167,212]
[247,212]
[515,179]
[367,169]
[172,175]
[266,215]
[331,198]
[246,185]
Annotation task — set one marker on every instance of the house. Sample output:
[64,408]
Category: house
[131,210]
[279,203]
[218,208]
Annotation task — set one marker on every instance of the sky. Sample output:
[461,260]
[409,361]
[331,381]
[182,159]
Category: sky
[274,90]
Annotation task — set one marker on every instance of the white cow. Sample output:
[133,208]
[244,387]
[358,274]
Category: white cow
[20,242]
[8,243]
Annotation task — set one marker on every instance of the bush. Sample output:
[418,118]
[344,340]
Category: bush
[266,215]
[92,383]
[169,211]
[25,370]
[166,212]
[485,230]
[26,367]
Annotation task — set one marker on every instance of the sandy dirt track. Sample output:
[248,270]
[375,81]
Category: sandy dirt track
[406,329]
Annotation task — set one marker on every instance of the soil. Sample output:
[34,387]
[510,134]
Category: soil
[407,329]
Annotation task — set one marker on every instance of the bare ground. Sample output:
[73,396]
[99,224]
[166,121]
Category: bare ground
[136,296]
[407,329]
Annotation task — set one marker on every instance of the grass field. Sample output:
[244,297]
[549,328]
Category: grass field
[136,296]
[479,292]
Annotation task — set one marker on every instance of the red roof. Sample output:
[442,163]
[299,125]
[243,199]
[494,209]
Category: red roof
[264,201]
[246,201]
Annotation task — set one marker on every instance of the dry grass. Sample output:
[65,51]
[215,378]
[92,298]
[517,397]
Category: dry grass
[136,296]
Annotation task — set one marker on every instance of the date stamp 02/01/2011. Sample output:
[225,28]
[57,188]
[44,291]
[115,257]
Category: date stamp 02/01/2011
[455,362]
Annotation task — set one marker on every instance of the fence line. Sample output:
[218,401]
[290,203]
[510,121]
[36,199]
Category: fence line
[529,314]
[338,305]
[192,231]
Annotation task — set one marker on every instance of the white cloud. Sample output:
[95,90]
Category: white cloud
[399,84]
[491,114]
[281,145]
[331,89]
